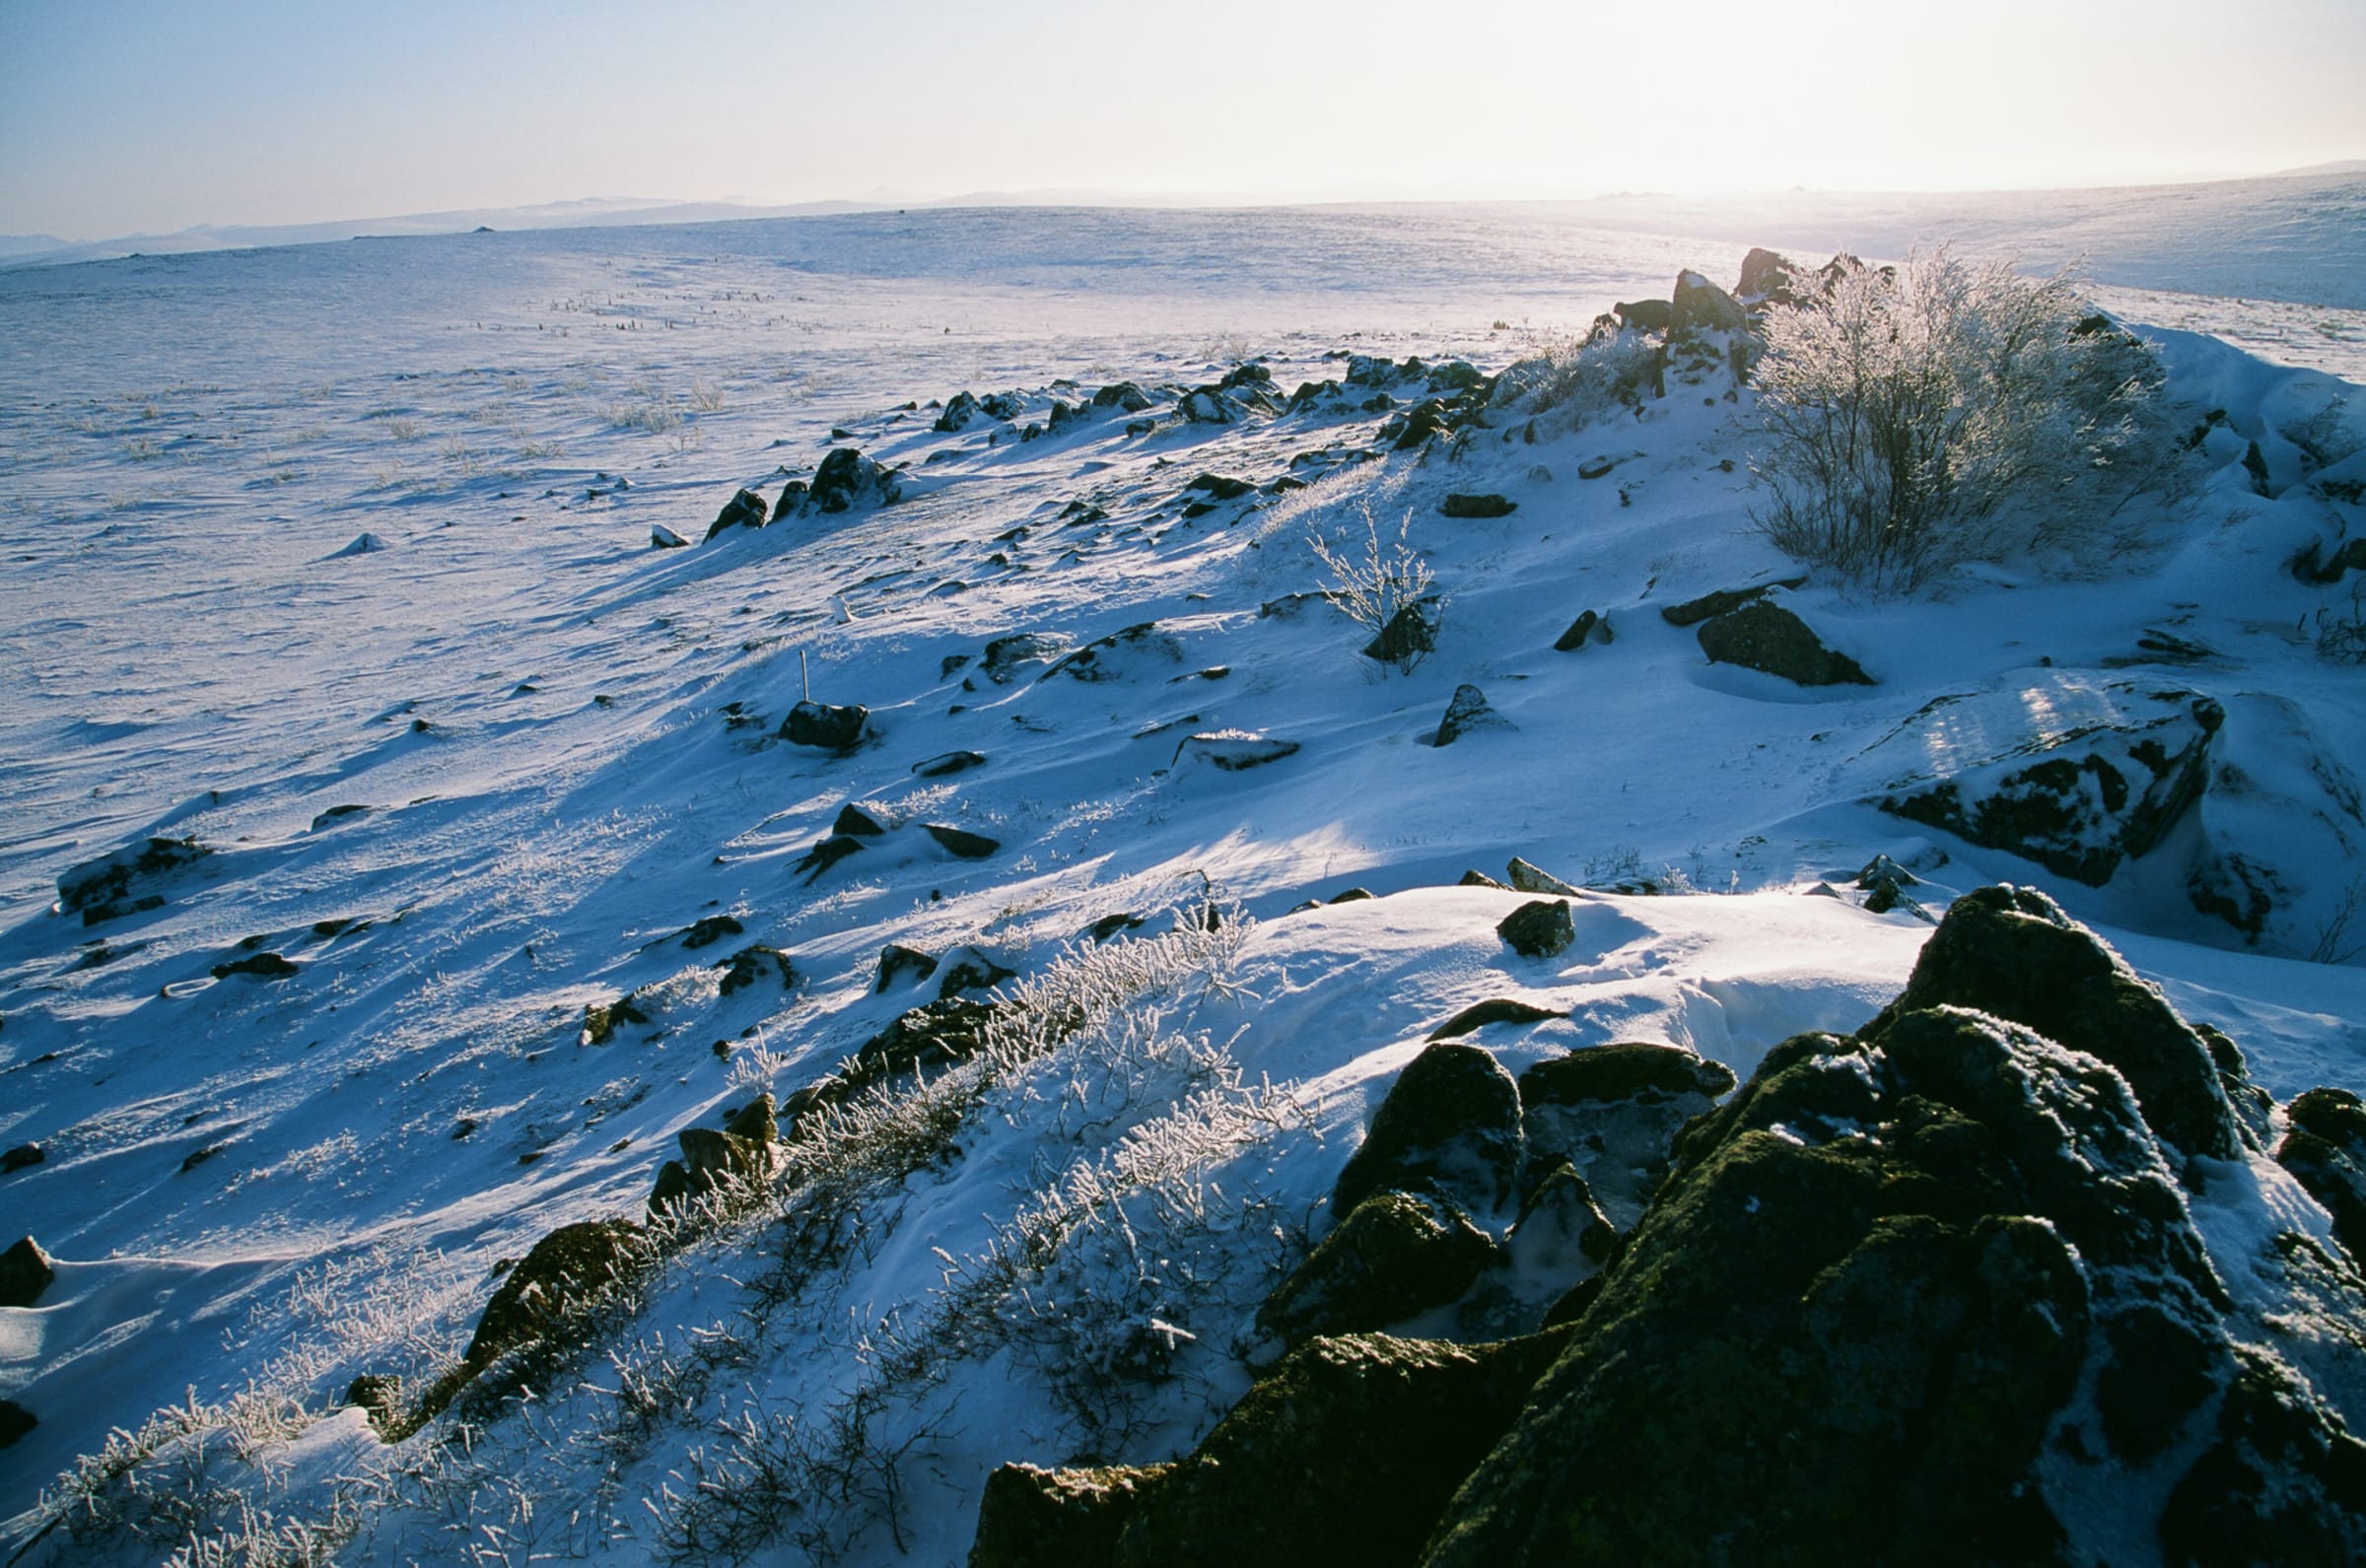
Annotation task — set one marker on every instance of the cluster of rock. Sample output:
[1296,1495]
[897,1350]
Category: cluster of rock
[1936,1291]
[846,481]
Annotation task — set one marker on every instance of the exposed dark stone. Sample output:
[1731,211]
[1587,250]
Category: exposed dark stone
[1694,611]
[1416,426]
[948,763]
[1347,1454]
[1643,315]
[1123,395]
[1460,504]
[600,1023]
[1700,306]
[1629,1070]
[2325,1149]
[1766,636]
[101,890]
[15,1422]
[567,1270]
[2096,796]
[1119,655]
[1221,487]
[746,510]
[1495,1010]
[25,1272]
[1468,712]
[830,726]
[826,853]
[1208,405]
[262,965]
[1005,656]
[1394,1255]
[1353,895]
[1885,882]
[21,1157]
[848,480]
[1109,925]
[708,930]
[896,960]
[379,1394]
[1540,928]
[793,496]
[961,411]
[1766,279]
[962,844]
[1234,751]
[1529,878]
[1451,1121]
[1589,627]
[1596,467]
[853,820]
[2012,953]
[1032,1517]
[748,965]
[1480,879]
[967,969]
[1410,635]
[661,537]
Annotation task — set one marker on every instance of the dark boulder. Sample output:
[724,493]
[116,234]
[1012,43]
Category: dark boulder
[104,888]
[793,496]
[1495,1010]
[1467,713]
[1641,316]
[15,1422]
[1410,635]
[1767,279]
[601,1020]
[1006,657]
[262,965]
[1450,1122]
[848,481]
[859,823]
[1613,1111]
[1700,306]
[708,930]
[1393,1256]
[962,844]
[752,964]
[830,727]
[967,969]
[948,763]
[2012,953]
[23,1157]
[825,853]
[1034,1518]
[1487,505]
[567,1272]
[25,1272]
[1416,424]
[746,510]
[897,960]
[1122,395]
[1540,928]
[1220,488]
[961,411]
[1208,405]
[1589,627]
[2080,799]
[2325,1149]
[1345,1455]
[1766,636]
[1692,612]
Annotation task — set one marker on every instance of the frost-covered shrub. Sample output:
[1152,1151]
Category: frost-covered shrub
[1377,583]
[1580,380]
[1951,412]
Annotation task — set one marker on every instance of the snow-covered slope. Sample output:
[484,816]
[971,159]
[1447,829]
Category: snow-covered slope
[485,777]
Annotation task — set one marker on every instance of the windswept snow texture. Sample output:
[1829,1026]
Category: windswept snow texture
[338,561]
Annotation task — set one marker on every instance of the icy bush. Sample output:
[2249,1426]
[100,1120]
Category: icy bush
[1578,382]
[1373,583]
[1949,412]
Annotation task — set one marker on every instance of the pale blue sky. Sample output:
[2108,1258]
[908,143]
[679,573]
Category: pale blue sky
[120,116]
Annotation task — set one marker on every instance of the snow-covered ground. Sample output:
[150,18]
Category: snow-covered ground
[564,749]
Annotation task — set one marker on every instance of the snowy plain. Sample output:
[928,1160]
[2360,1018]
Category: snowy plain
[562,742]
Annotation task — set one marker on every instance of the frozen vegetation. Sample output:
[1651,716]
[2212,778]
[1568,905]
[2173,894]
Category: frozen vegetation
[1299,885]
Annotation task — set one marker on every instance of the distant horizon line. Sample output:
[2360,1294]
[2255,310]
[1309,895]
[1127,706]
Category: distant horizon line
[34,249]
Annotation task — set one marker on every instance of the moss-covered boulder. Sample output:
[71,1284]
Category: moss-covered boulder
[1345,1455]
[1395,1255]
[1613,1111]
[567,1272]
[1451,1122]
[2325,1148]
[1539,929]
[2013,953]
[1034,1518]
[1764,635]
